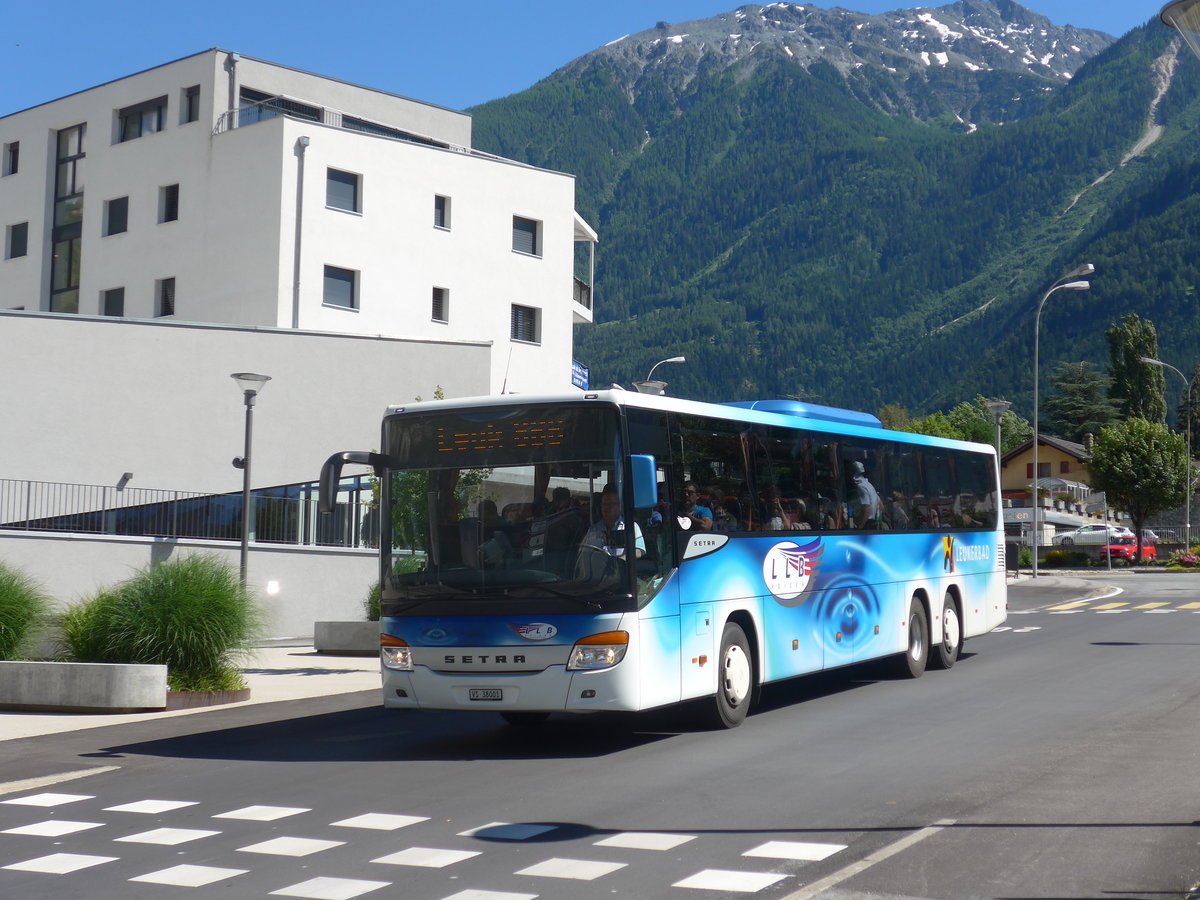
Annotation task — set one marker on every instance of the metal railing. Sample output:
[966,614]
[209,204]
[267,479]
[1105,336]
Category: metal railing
[279,515]
[582,293]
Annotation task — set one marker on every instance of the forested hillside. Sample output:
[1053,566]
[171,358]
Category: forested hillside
[792,234]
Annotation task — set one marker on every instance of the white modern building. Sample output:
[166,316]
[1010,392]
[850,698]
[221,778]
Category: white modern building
[220,214]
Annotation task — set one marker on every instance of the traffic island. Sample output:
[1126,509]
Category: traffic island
[71,687]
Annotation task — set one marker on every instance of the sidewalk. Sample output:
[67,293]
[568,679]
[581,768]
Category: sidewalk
[273,673]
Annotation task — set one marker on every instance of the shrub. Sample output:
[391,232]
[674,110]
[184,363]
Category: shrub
[1185,559]
[23,606]
[192,615]
[371,602]
[1025,558]
[1066,559]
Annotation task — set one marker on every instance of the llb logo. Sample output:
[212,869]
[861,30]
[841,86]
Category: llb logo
[788,568]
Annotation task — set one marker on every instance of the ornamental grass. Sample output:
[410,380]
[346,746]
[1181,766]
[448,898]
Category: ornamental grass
[23,607]
[192,615]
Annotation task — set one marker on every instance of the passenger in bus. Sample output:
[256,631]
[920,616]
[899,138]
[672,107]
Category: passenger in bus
[901,520]
[723,519]
[797,512]
[608,533]
[693,516]
[775,517]
[868,510]
[827,514]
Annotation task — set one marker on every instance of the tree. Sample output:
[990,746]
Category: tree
[1188,410]
[1137,388]
[1079,404]
[938,425]
[895,417]
[1142,468]
[978,423]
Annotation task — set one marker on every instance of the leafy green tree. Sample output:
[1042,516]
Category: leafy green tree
[938,425]
[895,417]
[1137,388]
[1079,403]
[1142,467]
[978,423]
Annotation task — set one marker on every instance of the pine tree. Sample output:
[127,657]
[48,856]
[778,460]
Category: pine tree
[1138,388]
[1079,404]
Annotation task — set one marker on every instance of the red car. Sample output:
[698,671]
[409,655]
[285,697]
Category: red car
[1124,550]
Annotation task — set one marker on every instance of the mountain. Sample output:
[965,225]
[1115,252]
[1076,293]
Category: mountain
[867,209]
[975,61]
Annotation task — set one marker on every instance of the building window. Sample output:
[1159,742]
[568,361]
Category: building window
[1064,467]
[441,305]
[441,212]
[168,203]
[341,191]
[191,105]
[12,157]
[65,242]
[526,324]
[527,236]
[144,118]
[17,240]
[112,302]
[164,297]
[341,287]
[116,216]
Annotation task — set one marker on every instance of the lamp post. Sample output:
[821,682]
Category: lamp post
[249,384]
[1066,283]
[1187,386]
[656,387]
[998,408]
[1184,16]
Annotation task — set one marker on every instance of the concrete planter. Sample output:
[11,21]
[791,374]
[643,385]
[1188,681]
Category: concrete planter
[346,638]
[82,687]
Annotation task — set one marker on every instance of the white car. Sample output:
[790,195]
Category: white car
[1092,534]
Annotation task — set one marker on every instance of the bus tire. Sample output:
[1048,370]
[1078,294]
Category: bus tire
[524,719]
[945,652]
[914,659]
[735,679]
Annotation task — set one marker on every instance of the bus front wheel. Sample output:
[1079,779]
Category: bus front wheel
[912,663]
[735,679]
[945,653]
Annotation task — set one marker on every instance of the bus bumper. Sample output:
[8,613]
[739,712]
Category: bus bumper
[551,690]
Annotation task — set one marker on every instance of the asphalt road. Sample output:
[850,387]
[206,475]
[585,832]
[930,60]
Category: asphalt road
[1058,759]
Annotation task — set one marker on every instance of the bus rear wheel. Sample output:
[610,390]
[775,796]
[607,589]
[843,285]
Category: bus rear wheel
[912,663]
[945,653]
[735,679]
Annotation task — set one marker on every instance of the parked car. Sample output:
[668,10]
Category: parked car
[1124,551]
[1148,535]
[1092,534]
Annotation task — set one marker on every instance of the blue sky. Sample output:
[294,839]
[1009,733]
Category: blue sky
[455,54]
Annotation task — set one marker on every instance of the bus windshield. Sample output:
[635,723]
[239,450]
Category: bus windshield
[521,503]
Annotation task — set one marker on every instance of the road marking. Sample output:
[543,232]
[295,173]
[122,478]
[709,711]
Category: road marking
[729,880]
[795,850]
[189,876]
[818,887]
[577,869]
[1074,604]
[29,784]
[1155,605]
[645,840]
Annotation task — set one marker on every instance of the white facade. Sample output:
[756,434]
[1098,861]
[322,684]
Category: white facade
[208,218]
[228,214]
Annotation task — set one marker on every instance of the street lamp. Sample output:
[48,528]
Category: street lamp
[1187,386]
[656,387]
[1066,283]
[998,408]
[249,384]
[1184,15]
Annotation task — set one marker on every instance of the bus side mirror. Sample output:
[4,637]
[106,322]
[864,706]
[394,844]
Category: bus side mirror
[331,474]
[645,481]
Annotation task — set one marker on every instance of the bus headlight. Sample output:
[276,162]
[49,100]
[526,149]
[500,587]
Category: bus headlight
[599,651]
[395,653]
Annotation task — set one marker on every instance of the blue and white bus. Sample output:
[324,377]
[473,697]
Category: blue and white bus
[769,540]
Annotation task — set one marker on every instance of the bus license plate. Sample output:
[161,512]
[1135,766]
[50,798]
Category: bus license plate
[485,694]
